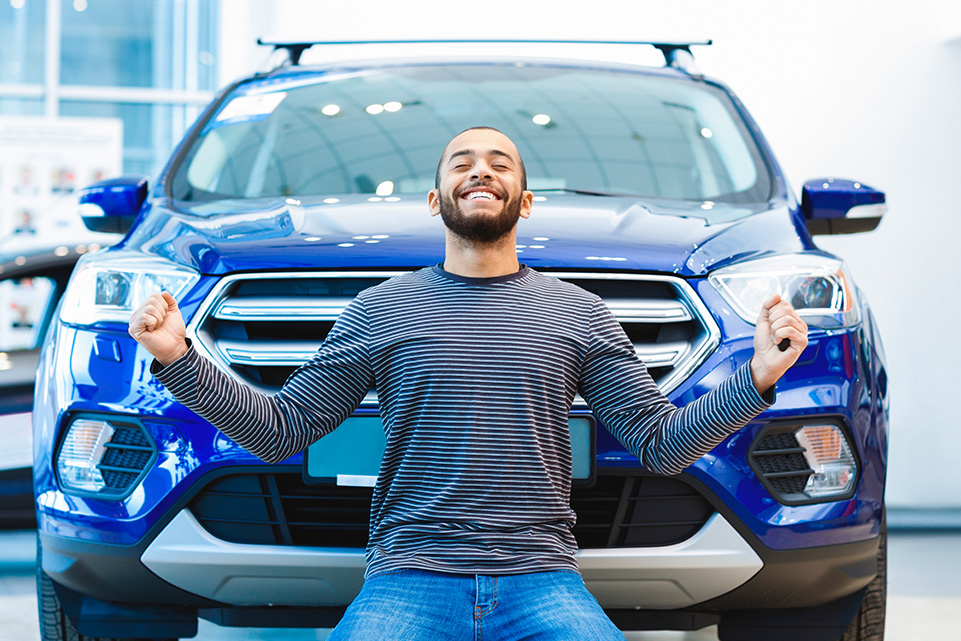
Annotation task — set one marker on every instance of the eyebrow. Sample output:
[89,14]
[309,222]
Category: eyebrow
[470,152]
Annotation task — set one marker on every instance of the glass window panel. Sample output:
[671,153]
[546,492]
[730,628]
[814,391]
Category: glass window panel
[21,41]
[139,44]
[150,132]
[621,133]
[20,107]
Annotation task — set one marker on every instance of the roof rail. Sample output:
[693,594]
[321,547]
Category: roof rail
[677,54]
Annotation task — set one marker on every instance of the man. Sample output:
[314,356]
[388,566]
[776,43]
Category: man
[476,362]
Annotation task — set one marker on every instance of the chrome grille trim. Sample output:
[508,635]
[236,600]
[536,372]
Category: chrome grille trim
[286,308]
[275,308]
[682,356]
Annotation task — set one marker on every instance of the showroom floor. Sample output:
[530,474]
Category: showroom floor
[924,595]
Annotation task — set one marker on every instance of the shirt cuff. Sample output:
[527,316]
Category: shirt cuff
[754,399]
[163,374]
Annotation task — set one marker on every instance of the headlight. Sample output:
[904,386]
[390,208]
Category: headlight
[819,288]
[110,289]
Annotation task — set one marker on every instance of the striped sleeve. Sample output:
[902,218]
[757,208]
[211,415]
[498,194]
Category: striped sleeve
[314,400]
[623,396]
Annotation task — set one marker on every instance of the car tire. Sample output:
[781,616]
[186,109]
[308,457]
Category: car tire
[868,623]
[55,625]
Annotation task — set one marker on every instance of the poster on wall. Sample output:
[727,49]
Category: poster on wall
[43,162]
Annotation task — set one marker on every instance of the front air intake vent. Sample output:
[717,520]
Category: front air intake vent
[125,457]
[779,459]
[279,508]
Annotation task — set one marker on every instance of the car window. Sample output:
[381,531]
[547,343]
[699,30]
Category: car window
[24,303]
[380,132]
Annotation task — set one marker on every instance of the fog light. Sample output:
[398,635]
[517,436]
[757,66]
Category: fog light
[81,452]
[830,456]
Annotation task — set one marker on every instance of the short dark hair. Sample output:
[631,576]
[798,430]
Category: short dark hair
[441,161]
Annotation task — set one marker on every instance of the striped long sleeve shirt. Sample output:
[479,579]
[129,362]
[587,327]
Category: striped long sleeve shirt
[475,380]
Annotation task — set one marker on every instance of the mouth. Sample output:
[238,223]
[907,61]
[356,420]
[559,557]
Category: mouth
[479,193]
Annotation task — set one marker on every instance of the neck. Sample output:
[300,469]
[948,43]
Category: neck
[474,260]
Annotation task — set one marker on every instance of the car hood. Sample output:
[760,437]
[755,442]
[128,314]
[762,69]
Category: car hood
[565,231]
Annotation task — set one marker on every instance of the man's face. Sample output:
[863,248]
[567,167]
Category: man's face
[480,197]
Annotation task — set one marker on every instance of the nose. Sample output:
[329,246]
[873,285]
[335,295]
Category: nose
[481,170]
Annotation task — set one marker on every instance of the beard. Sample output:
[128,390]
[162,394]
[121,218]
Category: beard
[480,229]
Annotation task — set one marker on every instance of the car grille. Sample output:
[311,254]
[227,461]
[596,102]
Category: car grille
[278,508]
[261,327]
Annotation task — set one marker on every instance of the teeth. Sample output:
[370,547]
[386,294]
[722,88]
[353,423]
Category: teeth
[476,195]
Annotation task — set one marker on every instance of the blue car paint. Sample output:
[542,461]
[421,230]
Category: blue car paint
[647,237]
[837,377]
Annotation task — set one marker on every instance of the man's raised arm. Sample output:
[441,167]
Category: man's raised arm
[668,439]
[316,399]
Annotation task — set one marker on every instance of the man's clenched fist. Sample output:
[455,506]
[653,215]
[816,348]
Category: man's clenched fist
[159,327]
[777,321]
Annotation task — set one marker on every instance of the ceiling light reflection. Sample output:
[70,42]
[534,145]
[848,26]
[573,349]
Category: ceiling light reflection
[373,110]
[393,106]
[385,188]
[331,201]
[541,119]
[330,110]
[707,133]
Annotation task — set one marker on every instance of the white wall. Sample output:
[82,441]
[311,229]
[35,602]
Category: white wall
[863,90]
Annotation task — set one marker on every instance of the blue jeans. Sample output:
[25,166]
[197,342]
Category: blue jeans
[415,605]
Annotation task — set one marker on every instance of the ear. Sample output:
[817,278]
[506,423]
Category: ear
[527,202]
[433,202]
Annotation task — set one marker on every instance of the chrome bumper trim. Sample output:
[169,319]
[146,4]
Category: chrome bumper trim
[712,562]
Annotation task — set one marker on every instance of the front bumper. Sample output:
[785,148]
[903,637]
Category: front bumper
[717,569]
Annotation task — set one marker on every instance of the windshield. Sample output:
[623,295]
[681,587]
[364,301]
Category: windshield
[382,131]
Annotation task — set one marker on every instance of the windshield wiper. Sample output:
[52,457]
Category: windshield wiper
[585,192]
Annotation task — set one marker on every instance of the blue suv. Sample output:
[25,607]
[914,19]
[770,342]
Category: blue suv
[301,186]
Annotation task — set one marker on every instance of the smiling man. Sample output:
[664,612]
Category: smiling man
[476,362]
[481,212]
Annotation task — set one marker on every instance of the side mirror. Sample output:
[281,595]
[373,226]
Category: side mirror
[112,205]
[838,206]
